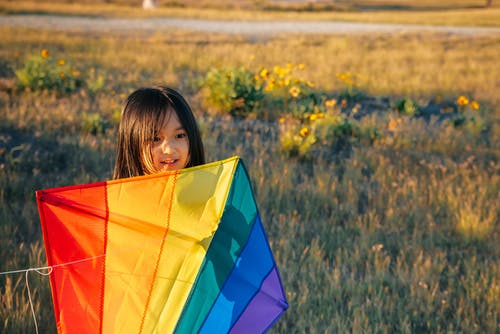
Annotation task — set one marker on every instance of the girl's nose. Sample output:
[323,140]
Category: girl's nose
[167,146]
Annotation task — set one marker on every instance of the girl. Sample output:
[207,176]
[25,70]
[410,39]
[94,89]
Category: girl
[157,133]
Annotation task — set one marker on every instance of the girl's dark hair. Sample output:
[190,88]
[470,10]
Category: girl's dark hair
[145,110]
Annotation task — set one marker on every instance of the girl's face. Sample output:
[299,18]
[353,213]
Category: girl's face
[170,147]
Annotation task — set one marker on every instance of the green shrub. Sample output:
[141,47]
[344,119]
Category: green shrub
[234,91]
[328,132]
[241,92]
[407,106]
[468,116]
[45,73]
[94,123]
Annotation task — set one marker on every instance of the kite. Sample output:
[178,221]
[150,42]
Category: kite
[176,252]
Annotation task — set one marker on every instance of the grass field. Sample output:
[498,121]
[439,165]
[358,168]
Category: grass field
[399,234]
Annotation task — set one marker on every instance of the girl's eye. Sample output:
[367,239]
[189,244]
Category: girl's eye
[156,139]
[181,135]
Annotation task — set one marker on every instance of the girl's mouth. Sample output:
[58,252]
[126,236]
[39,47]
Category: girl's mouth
[169,162]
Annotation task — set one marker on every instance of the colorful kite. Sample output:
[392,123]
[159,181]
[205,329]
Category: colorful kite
[177,252]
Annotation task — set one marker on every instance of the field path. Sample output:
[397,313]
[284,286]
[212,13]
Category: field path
[251,28]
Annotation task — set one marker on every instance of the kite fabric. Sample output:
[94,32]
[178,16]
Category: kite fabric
[177,252]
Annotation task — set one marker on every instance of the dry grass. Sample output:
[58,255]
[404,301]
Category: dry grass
[417,65]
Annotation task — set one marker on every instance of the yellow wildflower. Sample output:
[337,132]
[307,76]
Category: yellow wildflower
[316,116]
[281,71]
[44,53]
[302,66]
[310,83]
[474,105]
[462,100]
[330,103]
[393,124]
[290,65]
[344,76]
[264,73]
[62,75]
[60,62]
[228,75]
[356,108]
[294,91]
[304,132]
[76,73]
[269,87]
[281,120]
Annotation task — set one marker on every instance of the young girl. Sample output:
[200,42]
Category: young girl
[157,133]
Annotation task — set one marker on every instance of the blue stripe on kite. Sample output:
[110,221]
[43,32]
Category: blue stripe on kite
[252,267]
[229,241]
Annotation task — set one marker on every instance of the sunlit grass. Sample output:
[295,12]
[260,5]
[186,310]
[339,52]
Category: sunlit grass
[398,236]
[407,64]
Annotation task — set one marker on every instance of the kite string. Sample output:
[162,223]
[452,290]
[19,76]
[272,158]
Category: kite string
[51,269]
[26,271]
[118,251]
[37,270]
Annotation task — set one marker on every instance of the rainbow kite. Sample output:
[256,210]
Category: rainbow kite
[177,252]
